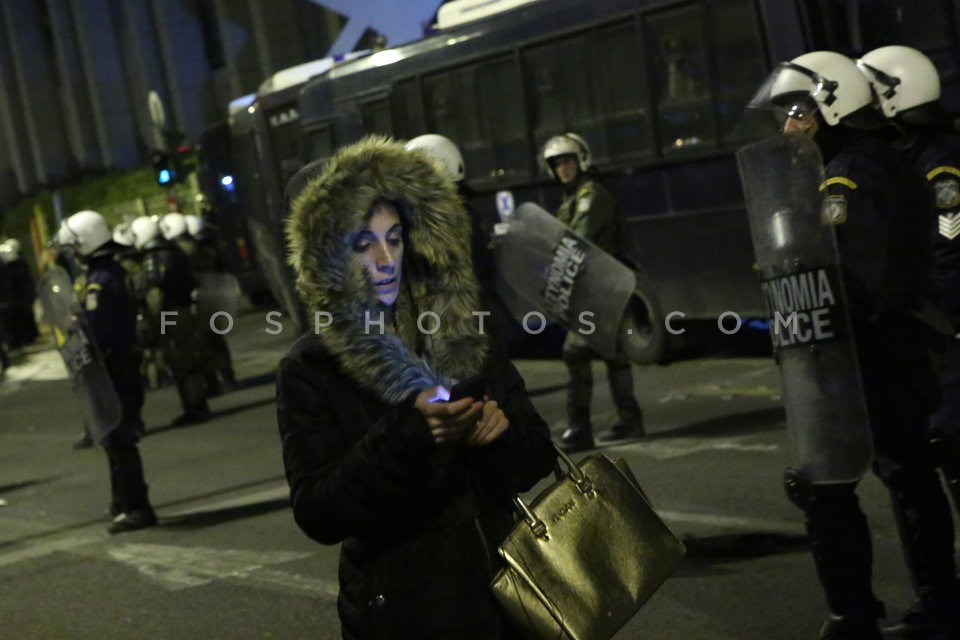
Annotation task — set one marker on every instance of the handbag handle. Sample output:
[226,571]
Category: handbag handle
[582,482]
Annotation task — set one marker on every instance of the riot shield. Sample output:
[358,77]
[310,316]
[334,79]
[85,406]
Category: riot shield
[566,277]
[217,292]
[88,373]
[799,266]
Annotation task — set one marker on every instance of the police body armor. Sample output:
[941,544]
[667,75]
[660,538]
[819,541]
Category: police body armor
[799,266]
[85,365]
[570,280]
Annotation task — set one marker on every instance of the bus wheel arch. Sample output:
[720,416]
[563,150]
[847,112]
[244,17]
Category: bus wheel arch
[643,333]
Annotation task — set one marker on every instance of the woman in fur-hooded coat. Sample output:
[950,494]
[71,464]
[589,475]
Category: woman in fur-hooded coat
[419,522]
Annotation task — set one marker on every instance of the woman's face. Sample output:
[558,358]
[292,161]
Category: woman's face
[379,248]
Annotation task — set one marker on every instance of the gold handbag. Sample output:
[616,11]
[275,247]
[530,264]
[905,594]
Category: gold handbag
[589,551]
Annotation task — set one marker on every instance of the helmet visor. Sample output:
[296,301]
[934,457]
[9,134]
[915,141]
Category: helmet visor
[790,91]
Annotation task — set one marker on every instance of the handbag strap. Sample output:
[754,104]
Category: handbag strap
[573,472]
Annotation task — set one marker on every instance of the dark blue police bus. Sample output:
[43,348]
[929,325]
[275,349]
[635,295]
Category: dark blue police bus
[657,88]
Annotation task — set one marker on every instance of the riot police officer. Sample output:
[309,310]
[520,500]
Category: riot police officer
[111,314]
[169,282]
[173,226]
[4,356]
[591,211]
[207,259]
[20,292]
[445,152]
[218,363]
[907,88]
[874,201]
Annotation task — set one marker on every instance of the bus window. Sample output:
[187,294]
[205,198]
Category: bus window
[621,87]
[375,116]
[684,104]
[558,89]
[738,60]
[406,110]
[480,107]
[503,125]
[248,176]
[929,26]
[440,105]
[285,142]
[318,143]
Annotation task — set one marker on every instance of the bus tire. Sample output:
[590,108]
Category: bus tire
[644,337]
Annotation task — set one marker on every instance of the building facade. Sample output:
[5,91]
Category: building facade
[75,75]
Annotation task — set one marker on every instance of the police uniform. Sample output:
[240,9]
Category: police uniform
[216,362]
[936,155]
[591,211]
[169,281]
[883,236]
[20,292]
[110,310]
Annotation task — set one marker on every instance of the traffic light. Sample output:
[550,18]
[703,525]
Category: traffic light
[184,160]
[163,168]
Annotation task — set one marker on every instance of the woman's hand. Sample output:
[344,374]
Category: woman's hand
[491,424]
[447,421]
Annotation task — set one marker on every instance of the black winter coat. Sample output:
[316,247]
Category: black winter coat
[419,523]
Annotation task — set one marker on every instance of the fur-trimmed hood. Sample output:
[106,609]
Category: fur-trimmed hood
[437,274]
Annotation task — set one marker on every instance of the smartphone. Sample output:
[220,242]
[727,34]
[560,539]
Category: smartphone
[475,388]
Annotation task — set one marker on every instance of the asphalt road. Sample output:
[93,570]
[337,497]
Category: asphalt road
[227,561]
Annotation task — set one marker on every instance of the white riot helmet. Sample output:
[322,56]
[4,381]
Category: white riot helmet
[144,229]
[9,250]
[902,77]
[567,144]
[194,224]
[85,231]
[173,225]
[123,234]
[443,150]
[819,81]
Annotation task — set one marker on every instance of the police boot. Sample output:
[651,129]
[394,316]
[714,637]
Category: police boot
[925,524]
[842,554]
[85,441]
[850,628]
[133,520]
[934,615]
[130,491]
[629,426]
[193,397]
[579,435]
[630,419]
[945,447]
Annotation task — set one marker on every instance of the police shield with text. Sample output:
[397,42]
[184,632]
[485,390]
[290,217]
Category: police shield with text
[875,205]
[84,362]
[799,265]
[568,278]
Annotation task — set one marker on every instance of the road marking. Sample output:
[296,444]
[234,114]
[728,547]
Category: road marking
[281,491]
[177,568]
[40,549]
[678,447]
[44,365]
[290,582]
[732,522]
[721,391]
